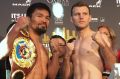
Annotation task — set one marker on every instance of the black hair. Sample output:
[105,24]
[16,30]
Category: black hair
[71,40]
[35,6]
[57,36]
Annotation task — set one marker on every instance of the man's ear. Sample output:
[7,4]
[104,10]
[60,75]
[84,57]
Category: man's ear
[28,18]
[71,20]
[90,18]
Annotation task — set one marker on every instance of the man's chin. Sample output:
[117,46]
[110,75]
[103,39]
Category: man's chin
[40,31]
[81,27]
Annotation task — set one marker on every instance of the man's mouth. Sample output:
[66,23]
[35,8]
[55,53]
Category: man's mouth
[42,26]
[81,21]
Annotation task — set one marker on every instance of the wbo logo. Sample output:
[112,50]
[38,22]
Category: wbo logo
[26,3]
[97,5]
[118,3]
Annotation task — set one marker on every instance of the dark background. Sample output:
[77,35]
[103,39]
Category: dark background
[108,13]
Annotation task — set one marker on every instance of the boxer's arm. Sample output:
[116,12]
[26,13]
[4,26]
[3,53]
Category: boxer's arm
[108,52]
[109,55]
[6,43]
[53,64]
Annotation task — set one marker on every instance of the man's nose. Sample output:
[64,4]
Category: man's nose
[81,16]
[44,20]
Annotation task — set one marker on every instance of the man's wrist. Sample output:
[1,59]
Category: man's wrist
[67,57]
[103,45]
[55,55]
[17,28]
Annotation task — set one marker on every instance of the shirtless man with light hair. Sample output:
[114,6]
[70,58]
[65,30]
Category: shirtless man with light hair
[87,60]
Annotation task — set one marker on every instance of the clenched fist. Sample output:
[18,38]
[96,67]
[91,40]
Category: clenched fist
[101,39]
[22,22]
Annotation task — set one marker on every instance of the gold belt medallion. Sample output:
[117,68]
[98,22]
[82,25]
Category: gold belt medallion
[23,53]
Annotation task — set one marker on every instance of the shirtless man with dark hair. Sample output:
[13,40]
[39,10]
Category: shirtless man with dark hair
[25,38]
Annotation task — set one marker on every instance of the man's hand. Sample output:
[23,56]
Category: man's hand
[55,49]
[101,39]
[70,48]
[22,23]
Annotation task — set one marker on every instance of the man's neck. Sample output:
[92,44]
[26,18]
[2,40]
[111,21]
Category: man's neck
[85,32]
[35,37]
[60,59]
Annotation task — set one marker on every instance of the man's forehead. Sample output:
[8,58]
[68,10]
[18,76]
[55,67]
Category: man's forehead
[58,40]
[42,11]
[81,8]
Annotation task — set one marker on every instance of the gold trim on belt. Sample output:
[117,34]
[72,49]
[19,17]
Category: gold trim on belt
[23,53]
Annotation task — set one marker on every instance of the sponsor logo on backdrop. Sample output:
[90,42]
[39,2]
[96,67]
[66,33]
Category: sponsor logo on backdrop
[118,3]
[63,2]
[26,3]
[94,19]
[58,20]
[119,23]
[100,19]
[15,16]
[97,4]
[58,12]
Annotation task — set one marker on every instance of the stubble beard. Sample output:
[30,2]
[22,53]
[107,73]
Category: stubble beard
[40,31]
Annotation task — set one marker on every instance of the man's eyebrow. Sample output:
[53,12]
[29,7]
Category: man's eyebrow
[62,44]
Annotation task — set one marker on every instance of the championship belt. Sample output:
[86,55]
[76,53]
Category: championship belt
[23,53]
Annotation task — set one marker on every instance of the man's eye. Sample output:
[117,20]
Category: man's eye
[62,45]
[48,18]
[85,13]
[77,14]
